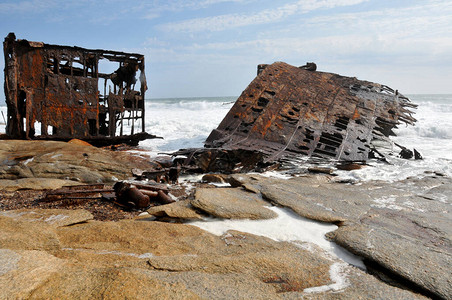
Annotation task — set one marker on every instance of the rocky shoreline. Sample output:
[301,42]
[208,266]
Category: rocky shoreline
[401,230]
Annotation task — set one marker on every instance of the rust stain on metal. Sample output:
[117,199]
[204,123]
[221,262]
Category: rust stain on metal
[289,111]
[66,92]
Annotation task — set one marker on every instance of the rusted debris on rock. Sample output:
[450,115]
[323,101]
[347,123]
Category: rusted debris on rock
[207,160]
[72,92]
[124,194]
[140,196]
[163,175]
[78,194]
[288,112]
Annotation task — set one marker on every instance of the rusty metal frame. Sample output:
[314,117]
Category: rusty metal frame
[63,89]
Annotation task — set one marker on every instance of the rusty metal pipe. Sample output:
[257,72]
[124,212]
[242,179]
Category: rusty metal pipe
[151,194]
[164,198]
[137,197]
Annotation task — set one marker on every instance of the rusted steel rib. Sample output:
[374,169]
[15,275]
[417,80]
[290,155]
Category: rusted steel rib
[122,193]
[78,193]
[288,112]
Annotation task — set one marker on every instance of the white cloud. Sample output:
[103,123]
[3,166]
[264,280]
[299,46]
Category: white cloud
[418,34]
[27,6]
[206,3]
[228,21]
[414,18]
[180,5]
[151,16]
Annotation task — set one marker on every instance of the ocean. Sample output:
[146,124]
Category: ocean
[186,123]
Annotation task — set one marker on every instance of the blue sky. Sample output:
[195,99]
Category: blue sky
[212,47]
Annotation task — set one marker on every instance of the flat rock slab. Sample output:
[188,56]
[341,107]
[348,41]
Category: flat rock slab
[22,272]
[109,283]
[232,203]
[35,229]
[351,283]
[52,217]
[66,161]
[316,198]
[22,234]
[142,238]
[177,210]
[403,227]
[34,184]
[405,244]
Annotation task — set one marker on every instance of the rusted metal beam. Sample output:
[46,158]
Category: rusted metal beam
[122,193]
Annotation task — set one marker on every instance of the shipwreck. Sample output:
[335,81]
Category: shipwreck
[288,112]
[63,92]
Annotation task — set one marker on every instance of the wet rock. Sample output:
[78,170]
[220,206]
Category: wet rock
[407,244]
[236,180]
[406,153]
[417,155]
[354,284]
[177,210]
[401,226]
[440,193]
[231,203]
[326,202]
[251,183]
[213,178]
[346,166]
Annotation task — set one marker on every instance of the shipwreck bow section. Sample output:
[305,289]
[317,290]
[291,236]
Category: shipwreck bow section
[65,92]
[287,112]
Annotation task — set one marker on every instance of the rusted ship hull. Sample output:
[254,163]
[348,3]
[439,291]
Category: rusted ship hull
[288,112]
